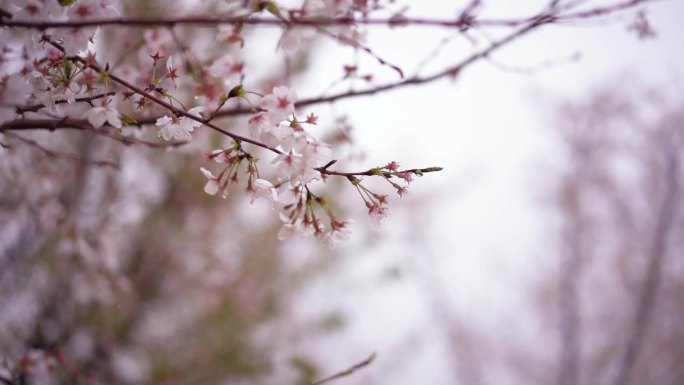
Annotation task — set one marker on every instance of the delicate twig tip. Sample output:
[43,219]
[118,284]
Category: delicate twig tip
[433,169]
[329,164]
[347,372]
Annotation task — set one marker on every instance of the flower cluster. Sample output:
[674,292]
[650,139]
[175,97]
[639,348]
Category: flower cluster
[179,128]
[301,159]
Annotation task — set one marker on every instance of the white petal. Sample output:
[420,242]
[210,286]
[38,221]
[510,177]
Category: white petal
[211,187]
[207,173]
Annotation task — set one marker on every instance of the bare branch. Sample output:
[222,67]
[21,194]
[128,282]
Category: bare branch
[347,372]
[317,21]
[36,107]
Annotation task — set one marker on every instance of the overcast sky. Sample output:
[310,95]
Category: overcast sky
[489,129]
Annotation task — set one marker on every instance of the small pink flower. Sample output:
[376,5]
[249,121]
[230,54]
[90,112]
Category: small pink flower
[377,214]
[294,37]
[178,127]
[407,176]
[287,231]
[97,116]
[279,103]
[339,232]
[261,188]
[258,123]
[392,166]
[312,119]
[227,68]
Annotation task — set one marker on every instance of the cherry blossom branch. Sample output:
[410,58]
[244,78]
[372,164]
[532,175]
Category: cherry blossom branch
[177,111]
[602,11]
[78,124]
[347,372]
[36,107]
[378,171]
[396,21]
[67,122]
[415,80]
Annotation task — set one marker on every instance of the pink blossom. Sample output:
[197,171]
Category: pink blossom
[339,232]
[377,214]
[258,123]
[36,9]
[227,68]
[287,231]
[407,176]
[327,8]
[178,127]
[76,40]
[220,156]
[91,9]
[279,104]
[261,188]
[392,166]
[293,38]
[97,116]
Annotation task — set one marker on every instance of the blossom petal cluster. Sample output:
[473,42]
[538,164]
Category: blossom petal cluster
[104,113]
[179,128]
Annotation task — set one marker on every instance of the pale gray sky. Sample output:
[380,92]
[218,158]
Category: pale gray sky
[489,129]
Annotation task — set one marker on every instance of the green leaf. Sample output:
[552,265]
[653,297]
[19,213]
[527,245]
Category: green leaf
[273,9]
[127,120]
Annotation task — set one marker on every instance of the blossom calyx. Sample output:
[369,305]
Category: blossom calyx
[237,92]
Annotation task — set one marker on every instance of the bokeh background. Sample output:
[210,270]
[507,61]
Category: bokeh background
[547,251]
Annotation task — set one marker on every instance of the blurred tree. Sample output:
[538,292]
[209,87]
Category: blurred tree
[116,268]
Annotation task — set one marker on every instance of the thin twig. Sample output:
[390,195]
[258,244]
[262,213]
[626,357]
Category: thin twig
[347,372]
[36,107]
[78,124]
[175,110]
[378,172]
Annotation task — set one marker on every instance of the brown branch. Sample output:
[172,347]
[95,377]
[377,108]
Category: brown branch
[347,372]
[415,80]
[78,124]
[602,11]
[241,20]
[36,107]
[459,22]
[377,171]
[45,124]
[175,110]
